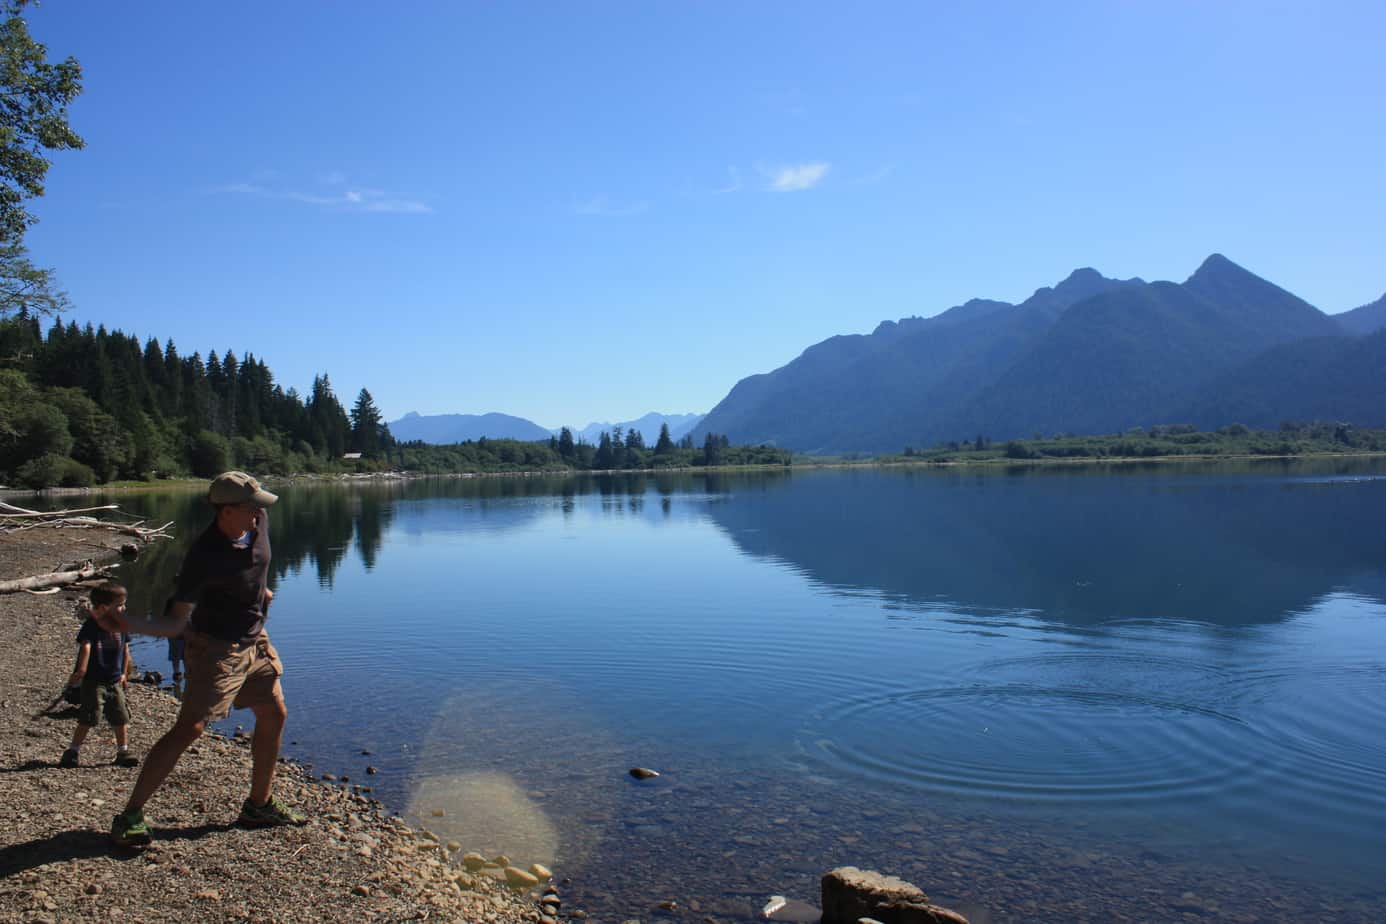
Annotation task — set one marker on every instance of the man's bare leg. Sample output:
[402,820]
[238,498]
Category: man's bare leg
[161,760]
[264,748]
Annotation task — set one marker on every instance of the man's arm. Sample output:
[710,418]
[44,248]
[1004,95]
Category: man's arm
[172,627]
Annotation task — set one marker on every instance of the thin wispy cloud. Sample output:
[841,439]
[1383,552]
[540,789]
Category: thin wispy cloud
[733,184]
[347,198]
[795,177]
[875,176]
[600,205]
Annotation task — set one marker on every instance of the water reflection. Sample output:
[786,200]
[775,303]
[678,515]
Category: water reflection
[1226,547]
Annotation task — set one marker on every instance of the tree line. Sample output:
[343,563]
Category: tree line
[80,406]
[1291,438]
[83,405]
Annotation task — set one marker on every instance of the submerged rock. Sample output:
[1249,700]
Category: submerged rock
[643,773]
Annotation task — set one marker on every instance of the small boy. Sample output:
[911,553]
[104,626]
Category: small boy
[177,644]
[103,650]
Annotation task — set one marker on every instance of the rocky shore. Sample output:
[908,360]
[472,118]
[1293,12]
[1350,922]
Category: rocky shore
[351,862]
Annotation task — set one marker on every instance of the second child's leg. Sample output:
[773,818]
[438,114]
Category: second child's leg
[79,734]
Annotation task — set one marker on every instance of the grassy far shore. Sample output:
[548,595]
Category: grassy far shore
[1155,445]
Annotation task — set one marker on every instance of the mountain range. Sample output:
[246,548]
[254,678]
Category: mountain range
[458,428]
[1089,355]
[649,425]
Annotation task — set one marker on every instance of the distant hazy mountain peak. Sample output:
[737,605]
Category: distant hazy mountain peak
[1218,268]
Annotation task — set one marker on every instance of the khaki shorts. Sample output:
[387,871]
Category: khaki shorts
[98,698]
[223,675]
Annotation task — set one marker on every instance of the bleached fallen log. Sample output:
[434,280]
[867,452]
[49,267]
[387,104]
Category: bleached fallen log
[10,512]
[52,579]
[145,533]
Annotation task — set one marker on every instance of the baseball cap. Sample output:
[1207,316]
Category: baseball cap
[239,488]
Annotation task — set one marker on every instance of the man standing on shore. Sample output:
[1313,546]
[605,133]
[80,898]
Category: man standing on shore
[229,658]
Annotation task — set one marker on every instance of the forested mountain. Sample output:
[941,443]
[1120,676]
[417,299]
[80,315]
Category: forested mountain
[81,405]
[1364,320]
[1323,378]
[1091,355]
[457,428]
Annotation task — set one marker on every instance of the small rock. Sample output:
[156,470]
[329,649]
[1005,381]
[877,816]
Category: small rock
[501,860]
[371,771]
[473,861]
[519,879]
[542,871]
[667,905]
[454,846]
[365,752]
[209,895]
[643,773]
[438,813]
[361,890]
[93,889]
[329,778]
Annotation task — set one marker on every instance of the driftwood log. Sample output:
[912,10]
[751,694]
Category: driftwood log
[54,579]
[13,519]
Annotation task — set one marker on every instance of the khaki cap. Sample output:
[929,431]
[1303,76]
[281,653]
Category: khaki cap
[239,488]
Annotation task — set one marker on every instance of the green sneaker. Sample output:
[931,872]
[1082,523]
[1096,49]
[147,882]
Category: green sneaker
[272,814]
[129,830]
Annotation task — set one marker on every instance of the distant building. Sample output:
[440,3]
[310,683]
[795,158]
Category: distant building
[351,455]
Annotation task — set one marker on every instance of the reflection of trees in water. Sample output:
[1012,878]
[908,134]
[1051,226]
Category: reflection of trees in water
[315,524]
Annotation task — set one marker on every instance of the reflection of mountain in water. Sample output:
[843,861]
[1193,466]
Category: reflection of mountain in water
[1218,545]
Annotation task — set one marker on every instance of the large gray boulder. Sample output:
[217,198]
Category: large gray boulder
[850,894]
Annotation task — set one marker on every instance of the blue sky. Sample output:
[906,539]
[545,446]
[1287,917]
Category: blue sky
[579,211]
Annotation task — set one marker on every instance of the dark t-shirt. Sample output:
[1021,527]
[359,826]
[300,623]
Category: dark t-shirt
[107,660]
[227,583]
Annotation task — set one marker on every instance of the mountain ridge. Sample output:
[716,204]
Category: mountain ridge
[1087,355]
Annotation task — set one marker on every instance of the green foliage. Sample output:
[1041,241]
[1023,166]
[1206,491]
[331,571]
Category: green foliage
[1172,440]
[210,454]
[54,470]
[33,121]
[97,439]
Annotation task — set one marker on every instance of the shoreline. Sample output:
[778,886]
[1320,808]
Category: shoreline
[352,861]
[199,484]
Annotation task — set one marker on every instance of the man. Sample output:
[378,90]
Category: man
[229,659]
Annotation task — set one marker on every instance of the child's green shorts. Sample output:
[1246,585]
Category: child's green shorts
[98,698]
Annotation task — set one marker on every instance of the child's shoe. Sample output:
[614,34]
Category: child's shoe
[69,759]
[125,759]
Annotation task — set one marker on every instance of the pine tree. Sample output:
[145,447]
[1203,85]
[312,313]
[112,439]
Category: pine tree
[366,426]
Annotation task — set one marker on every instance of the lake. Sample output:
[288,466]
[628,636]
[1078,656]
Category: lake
[1044,693]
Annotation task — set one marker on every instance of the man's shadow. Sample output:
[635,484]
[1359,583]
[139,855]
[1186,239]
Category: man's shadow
[84,843]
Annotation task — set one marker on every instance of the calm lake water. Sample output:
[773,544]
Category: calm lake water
[1040,693]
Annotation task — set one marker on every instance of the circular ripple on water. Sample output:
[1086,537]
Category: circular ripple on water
[1324,728]
[1037,743]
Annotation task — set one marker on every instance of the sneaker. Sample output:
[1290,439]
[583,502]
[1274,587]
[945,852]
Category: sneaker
[271,814]
[129,830]
[126,759]
[69,759]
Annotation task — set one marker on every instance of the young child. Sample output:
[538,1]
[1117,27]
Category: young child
[103,650]
[177,645]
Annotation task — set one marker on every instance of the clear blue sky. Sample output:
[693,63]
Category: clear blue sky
[578,211]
